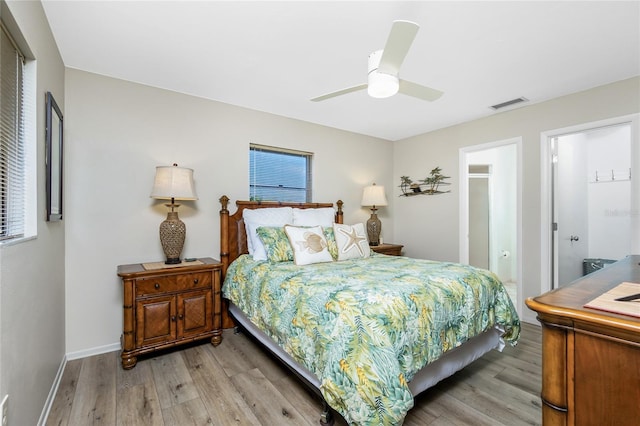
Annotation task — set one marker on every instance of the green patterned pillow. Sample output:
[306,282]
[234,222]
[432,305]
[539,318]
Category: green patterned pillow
[331,241]
[276,243]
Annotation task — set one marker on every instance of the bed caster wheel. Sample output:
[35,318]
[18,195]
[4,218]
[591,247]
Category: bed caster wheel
[325,423]
[326,418]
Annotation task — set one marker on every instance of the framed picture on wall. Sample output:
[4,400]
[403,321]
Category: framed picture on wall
[53,159]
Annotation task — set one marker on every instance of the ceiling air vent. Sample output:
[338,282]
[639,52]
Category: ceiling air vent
[509,103]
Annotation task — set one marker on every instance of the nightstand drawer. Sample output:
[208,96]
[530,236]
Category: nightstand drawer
[164,284]
[194,281]
[155,285]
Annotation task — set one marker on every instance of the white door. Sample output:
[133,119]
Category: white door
[591,204]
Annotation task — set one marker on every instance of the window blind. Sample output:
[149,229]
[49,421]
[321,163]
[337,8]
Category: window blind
[12,155]
[278,174]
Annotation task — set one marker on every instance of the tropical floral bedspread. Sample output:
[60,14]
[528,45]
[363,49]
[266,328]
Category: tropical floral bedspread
[364,327]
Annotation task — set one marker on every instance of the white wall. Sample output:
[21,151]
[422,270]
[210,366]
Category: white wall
[428,226]
[32,272]
[117,132]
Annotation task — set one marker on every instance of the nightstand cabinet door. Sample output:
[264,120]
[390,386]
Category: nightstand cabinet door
[155,320]
[194,313]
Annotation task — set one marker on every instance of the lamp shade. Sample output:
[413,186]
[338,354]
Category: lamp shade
[173,182]
[374,196]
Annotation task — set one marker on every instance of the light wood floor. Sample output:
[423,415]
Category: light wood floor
[236,383]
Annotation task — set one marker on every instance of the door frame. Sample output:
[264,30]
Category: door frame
[547,269]
[463,173]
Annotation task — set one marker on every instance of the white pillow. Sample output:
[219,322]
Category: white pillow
[324,216]
[309,244]
[352,241]
[254,218]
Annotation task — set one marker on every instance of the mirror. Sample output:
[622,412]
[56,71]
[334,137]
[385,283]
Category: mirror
[53,159]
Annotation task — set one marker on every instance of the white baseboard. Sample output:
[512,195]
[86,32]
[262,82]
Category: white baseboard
[52,393]
[56,382]
[93,351]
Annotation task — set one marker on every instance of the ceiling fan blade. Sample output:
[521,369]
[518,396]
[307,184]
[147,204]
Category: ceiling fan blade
[418,91]
[339,93]
[398,44]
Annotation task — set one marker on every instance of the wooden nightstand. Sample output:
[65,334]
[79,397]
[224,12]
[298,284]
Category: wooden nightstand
[390,249]
[168,306]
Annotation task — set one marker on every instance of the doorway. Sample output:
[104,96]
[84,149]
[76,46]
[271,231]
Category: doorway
[490,211]
[590,194]
[591,199]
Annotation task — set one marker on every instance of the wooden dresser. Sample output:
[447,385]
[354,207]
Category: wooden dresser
[168,306]
[590,358]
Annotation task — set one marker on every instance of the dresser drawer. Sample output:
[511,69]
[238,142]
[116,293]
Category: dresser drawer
[170,283]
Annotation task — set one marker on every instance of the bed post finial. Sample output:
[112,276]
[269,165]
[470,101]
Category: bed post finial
[339,213]
[224,200]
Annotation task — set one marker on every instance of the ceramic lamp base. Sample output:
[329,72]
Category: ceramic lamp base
[373,229]
[172,234]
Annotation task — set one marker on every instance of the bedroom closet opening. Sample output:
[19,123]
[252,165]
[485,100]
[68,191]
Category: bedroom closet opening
[591,184]
[490,211]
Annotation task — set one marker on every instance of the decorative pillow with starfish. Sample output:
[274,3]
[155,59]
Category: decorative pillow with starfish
[352,241]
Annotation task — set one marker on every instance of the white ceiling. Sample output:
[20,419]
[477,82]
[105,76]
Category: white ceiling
[276,56]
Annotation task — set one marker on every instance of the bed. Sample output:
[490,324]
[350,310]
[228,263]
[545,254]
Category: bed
[366,332]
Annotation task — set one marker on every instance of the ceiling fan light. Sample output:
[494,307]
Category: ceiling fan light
[382,85]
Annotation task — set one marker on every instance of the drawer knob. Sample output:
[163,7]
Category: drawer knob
[157,286]
[180,316]
[173,318]
[195,281]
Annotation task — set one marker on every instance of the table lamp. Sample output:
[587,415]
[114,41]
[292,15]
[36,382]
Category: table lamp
[173,183]
[374,196]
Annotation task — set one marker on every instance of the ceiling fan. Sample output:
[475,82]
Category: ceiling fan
[384,65]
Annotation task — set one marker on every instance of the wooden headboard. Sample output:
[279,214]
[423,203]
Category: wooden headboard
[233,237]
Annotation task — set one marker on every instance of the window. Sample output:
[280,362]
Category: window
[12,153]
[279,174]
